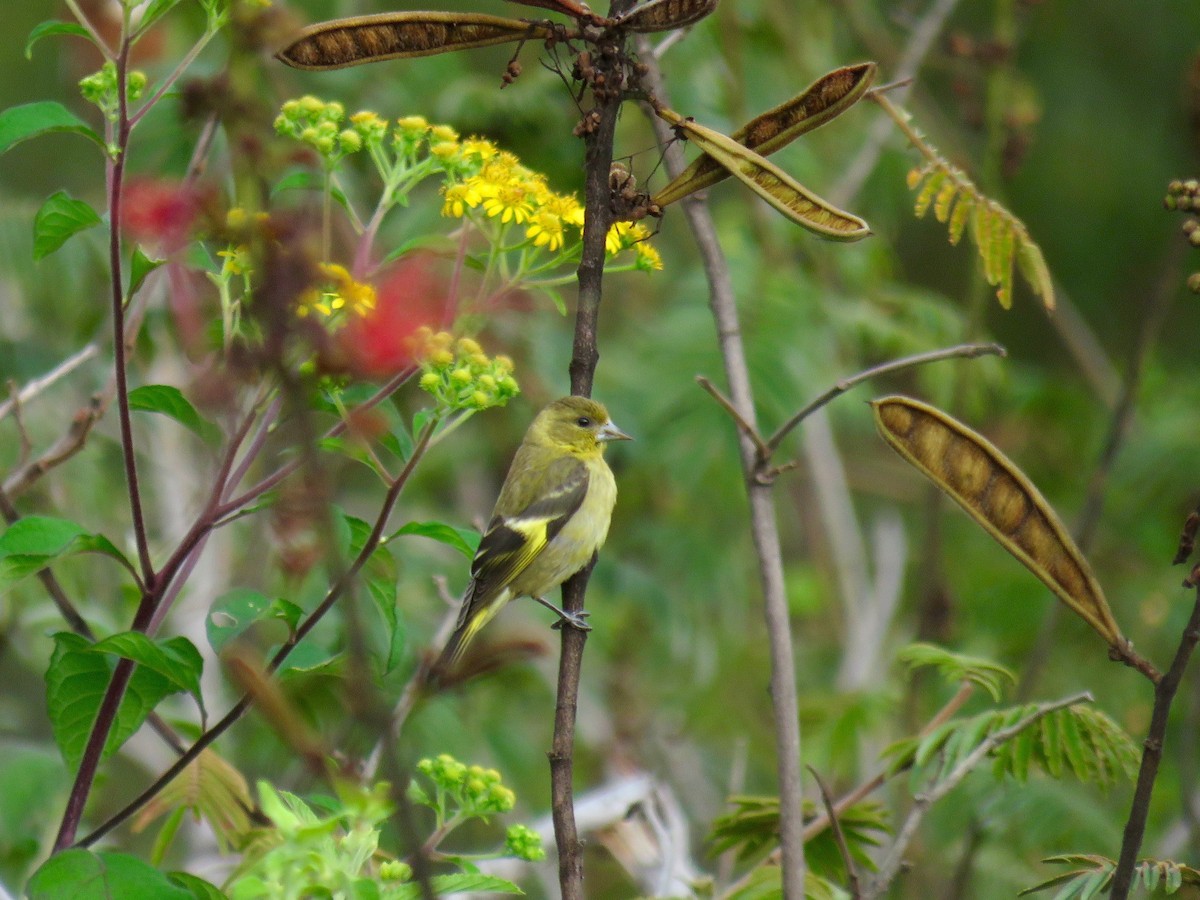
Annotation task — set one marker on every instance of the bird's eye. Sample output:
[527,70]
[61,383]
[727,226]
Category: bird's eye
[583,421]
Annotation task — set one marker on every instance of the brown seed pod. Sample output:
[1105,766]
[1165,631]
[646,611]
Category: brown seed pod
[770,182]
[997,495]
[825,99]
[664,15]
[403,35]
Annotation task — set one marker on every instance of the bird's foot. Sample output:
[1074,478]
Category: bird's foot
[575,620]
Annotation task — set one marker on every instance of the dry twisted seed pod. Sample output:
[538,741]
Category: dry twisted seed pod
[664,15]
[770,182]
[997,495]
[350,42]
[825,99]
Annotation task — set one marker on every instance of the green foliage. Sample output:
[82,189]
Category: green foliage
[169,401]
[21,123]
[957,667]
[78,678]
[86,875]
[1094,875]
[60,217]
[751,829]
[33,543]
[1077,740]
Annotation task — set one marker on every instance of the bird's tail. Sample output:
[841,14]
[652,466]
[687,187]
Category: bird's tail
[470,622]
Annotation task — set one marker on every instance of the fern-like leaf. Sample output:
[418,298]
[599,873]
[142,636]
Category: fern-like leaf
[1001,237]
[1078,740]
[958,667]
[1093,874]
[751,830]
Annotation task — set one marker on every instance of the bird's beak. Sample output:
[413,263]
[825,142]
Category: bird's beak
[610,432]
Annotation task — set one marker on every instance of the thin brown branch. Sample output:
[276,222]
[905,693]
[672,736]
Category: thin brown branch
[839,836]
[961,351]
[763,524]
[32,388]
[1164,695]
[599,135]
[764,451]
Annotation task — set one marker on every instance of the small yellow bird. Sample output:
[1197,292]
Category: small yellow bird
[551,517]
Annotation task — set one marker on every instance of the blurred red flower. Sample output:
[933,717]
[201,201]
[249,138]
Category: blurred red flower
[159,212]
[408,295]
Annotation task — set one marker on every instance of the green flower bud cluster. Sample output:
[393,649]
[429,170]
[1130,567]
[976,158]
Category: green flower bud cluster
[322,126]
[100,88]
[476,791]
[395,870]
[459,375]
[1185,197]
[524,843]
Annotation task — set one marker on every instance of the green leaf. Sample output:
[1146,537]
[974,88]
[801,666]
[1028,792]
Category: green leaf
[50,28]
[20,123]
[177,659]
[31,544]
[140,266]
[84,875]
[153,11]
[169,401]
[309,181]
[75,685]
[29,775]
[457,883]
[198,888]
[60,217]
[383,592]
[237,611]
[464,540]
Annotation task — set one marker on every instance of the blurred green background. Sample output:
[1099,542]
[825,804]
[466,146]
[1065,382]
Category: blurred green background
[1099,108]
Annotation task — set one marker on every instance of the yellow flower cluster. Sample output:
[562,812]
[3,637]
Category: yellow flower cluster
[459,375]
[633,236]
[339,291]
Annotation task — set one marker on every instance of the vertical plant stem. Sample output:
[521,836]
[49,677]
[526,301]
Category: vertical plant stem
[598,153]
[111,702]
[115,183]
[763,523]
[1164,694]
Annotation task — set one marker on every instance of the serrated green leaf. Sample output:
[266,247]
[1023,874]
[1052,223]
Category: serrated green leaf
[51,28]
[60,217]
[1073,749]
[464,540]
[21,123]
[177,660]
[84,875]
[75,685]
[140,265]
[1052,744]
[169,401]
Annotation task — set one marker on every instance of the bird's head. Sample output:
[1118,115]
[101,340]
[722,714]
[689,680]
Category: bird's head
[576,425]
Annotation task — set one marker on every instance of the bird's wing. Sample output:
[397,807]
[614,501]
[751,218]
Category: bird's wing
[513,541]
